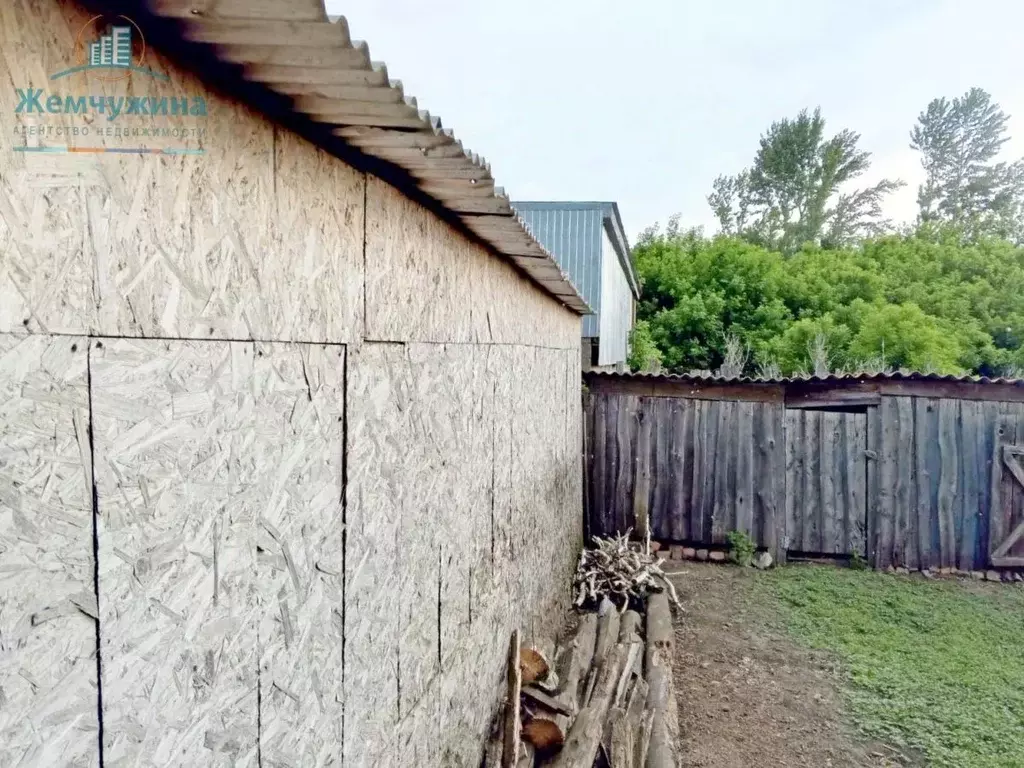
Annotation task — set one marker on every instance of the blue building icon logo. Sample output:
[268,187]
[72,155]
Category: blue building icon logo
[115,46]
[113,50]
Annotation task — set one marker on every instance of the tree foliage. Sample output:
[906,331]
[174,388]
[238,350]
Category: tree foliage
[808,277]
[644,354]
[797,190]
[924,301]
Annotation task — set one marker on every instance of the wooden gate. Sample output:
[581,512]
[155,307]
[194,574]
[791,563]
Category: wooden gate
[826,482]
[1006,529]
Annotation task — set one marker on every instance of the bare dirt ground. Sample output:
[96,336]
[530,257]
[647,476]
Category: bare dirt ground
[747,694]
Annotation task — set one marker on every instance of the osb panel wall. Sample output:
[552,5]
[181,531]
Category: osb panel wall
[259,238]
[218,476]
[219,471]
[461,525]
[47,603]
[425,282]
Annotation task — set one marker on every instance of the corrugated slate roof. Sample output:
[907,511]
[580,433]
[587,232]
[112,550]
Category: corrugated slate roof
[831,378]
[293,49]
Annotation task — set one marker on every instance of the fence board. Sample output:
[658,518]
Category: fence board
[701,453]
[745,469]
[645,416]
[683,452]
[828,426]
[972,446]
[663,467]
[812,500]
[624,466]
[771,475]
[855,478]
[597,471]
[948,486]
[793,427]
[885,546]
[904,527]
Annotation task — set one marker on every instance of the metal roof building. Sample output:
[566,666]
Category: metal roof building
[589,243]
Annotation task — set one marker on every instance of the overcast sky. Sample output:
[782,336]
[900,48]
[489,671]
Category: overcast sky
[644,102]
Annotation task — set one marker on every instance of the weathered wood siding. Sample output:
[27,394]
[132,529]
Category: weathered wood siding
[902,480]
[935,471]
[826,482]
[696,469]
[1006,532]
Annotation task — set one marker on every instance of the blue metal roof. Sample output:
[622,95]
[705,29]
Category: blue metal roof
[571,232]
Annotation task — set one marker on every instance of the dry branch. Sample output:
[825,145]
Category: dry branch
[621,571]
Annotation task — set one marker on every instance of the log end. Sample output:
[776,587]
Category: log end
[533,665]
[544,734]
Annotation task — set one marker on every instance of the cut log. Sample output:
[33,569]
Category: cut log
[621,748]
[633,657]
[510,753]
[661,700]
[576,660]
[644,742]
[533,665]
[661,750]
[629,625]
[584,737]
[660,635]
[544,734]
[607,637]
[546,701]
[637,740]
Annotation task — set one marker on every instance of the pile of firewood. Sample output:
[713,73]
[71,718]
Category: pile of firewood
[622,571]
[606,700]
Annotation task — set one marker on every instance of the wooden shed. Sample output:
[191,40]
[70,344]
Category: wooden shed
[908,470]
[289,400]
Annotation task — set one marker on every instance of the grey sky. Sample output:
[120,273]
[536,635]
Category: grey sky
[645,102]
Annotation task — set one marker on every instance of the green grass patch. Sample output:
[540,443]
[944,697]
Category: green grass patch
[936,666]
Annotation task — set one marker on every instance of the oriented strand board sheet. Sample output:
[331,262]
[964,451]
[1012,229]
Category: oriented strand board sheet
[261,237]
[48,714]
[461,524]
[426,282]
[219,489]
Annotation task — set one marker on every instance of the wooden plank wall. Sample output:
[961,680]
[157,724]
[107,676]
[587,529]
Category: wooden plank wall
[697,468]
[934,481]
[1006,532]
[826,482]
[907,483]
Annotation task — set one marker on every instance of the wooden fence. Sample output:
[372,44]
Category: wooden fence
[920,472]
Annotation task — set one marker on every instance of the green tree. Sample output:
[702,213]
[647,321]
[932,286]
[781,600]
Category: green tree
[966,185]
[697,292]
[796,191]
[907,338]
[644,354]
[924,301]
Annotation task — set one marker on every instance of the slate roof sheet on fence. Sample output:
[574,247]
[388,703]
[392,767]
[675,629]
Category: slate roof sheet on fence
[293,49]
[830,379]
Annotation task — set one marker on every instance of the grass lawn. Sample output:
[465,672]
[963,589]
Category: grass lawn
[937,666]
